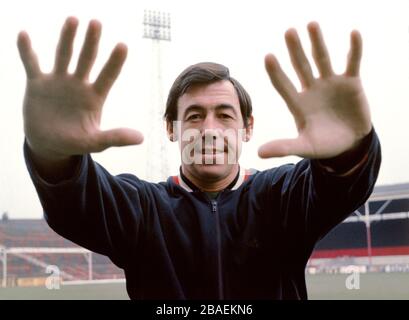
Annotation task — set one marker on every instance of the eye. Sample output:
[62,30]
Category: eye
[225,116]
[193,117]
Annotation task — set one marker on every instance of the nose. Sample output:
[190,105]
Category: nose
[209,122]
[210,126]
[212,133]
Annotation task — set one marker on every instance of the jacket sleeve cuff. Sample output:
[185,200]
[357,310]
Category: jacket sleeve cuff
[36,177]
[350,161]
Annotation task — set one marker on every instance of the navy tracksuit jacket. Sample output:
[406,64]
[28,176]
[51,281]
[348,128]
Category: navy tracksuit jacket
[173,242]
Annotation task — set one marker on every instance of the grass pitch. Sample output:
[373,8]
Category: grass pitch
[378,286]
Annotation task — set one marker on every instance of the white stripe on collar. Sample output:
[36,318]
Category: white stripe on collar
[243,174]
[240,180]
[183,184]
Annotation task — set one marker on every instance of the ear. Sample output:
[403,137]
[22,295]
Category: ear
[248,130]
[172,134]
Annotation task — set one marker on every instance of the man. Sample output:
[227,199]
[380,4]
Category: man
[217,231]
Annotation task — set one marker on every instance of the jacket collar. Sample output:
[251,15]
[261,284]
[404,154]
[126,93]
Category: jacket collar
[186,184]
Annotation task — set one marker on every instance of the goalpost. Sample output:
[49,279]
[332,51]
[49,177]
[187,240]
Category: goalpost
[28,254]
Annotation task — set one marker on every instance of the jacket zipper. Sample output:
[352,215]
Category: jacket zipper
[219,249]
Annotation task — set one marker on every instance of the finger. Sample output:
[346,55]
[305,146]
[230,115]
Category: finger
[117,138]
[65,45]
[280,80]
[300,62]
[281,148]
[355,55]
[89,50]
[111,70]
[28,56]
[319,50]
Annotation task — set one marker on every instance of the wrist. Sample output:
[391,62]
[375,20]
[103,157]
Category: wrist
[49,166]
[43,154]
[351,159]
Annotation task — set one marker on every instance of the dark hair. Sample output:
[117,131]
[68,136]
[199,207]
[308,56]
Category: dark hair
[204,73]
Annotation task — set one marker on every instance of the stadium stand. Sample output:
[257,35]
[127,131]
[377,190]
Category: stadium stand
[377,234]
[36,233]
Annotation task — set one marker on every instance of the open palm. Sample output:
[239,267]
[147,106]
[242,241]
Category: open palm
[331,112]
[62,111]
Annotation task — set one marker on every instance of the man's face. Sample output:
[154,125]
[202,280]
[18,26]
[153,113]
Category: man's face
[210,129]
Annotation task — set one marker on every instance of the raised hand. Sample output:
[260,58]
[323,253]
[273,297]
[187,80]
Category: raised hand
[331,112]
[62,111]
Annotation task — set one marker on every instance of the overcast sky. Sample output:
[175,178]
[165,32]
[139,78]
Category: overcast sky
[235,33]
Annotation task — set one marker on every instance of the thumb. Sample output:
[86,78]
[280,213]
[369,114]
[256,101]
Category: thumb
[118,138]
[281,148]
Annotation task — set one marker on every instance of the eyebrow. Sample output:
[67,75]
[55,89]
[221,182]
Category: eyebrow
[198,107]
